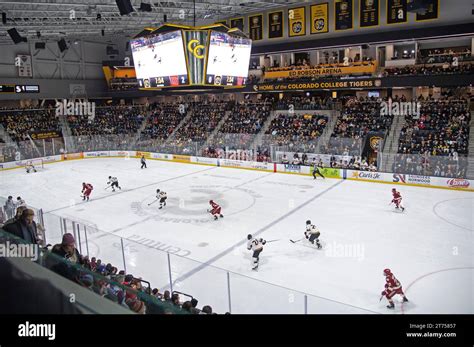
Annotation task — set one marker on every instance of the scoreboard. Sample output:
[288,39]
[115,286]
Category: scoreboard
[19,88]
[179,56]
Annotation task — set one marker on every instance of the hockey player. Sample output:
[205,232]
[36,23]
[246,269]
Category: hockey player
[397,199]
[312,234]
[113,181]
[20,202]
[255,245]
[143,162]
[216,210]
[86,191]
[29,166]
[316,170]
[162,196]
[392,287]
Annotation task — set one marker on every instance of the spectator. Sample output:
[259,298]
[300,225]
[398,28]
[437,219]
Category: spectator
[24,227]
[67,249]
[206,310]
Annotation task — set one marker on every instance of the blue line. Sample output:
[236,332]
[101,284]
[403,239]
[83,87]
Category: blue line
[261,230]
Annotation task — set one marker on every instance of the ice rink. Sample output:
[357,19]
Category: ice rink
[429,247]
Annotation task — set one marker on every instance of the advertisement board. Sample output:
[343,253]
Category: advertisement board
[411,179]
[292,168]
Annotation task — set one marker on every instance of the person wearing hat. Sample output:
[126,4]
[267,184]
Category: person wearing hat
[67,249]
[24,227]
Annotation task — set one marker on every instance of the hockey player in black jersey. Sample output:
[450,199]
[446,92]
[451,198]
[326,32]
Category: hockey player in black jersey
[316,170]
[143,162]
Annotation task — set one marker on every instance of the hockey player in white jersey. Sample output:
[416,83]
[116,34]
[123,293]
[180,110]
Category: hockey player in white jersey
[162,196]
[312,234]
[113,182]
[255,245]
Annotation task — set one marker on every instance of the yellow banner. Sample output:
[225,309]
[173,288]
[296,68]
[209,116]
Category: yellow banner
[323,71]
[319,18]
[296,22]
[185,158]
[147,155]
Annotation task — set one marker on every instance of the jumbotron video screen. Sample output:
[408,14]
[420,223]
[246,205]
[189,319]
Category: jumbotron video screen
[160,61]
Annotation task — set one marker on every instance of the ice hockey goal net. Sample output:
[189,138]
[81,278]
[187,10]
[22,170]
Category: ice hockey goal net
[37,163]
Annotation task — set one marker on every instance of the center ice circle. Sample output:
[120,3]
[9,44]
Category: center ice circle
[192,203]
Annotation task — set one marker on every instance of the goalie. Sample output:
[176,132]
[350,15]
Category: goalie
[30,167]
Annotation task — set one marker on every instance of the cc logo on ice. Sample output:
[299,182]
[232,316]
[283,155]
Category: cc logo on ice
[196,49]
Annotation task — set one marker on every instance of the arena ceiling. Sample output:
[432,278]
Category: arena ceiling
[79,18]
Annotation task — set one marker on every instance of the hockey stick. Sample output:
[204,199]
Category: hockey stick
[272,241]
[152,202]
[296,240]
[107,187]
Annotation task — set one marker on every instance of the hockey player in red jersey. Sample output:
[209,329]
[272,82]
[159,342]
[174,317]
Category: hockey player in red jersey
[216,210]
[86,190]
[392,287]
[397,199]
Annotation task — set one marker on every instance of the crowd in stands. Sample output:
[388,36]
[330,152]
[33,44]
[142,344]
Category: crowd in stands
[444,55]
[357,119]
[296,130]
[440,130]
[18,220]
[304,103]
[115,120]
[465,68]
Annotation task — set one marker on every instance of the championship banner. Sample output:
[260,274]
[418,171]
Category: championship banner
[336,84]
[256,27]
[296,22]
[237,23]
[432,11]
[320,18]
[45,135]
[396,11]
[343,70]
[275,25]
[343,14]
[369,13]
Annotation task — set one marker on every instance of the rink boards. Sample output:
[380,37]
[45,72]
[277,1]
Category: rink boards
[334,173]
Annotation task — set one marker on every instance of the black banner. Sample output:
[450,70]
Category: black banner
[237,23]
[343,14]
[432,11]
[275,24]
[369,13]
[396,11]
[256,27]
[44,135]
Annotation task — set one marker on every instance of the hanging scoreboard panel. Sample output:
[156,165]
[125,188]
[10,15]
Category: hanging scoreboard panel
[228,61]
[188,56]
[160,60]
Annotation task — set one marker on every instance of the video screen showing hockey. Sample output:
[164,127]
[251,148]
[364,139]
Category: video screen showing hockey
[159,60]
[237,158]
[228,59]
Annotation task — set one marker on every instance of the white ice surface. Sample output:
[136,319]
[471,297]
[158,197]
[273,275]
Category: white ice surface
[429,247]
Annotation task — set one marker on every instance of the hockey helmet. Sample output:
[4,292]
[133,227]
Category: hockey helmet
[110,177]
[308,222]
[211,201]
[249,236]
[157,190]
[387,272]
[394,190]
